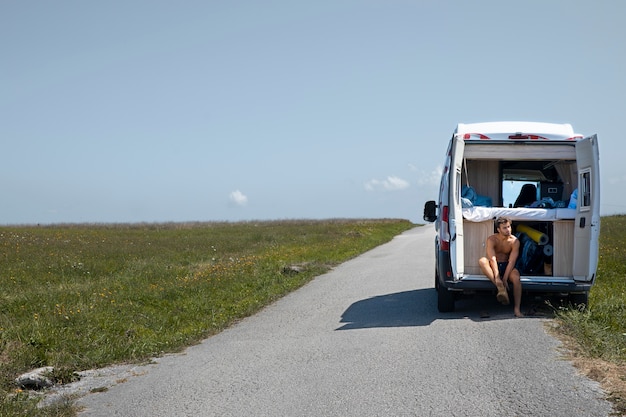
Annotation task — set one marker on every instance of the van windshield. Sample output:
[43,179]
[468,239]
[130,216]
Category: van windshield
[512,189]
[526,182]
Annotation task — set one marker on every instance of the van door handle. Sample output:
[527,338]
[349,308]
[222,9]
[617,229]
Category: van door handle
[582,222]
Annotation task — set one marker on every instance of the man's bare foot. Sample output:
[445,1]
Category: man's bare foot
[503,296]
[518,314]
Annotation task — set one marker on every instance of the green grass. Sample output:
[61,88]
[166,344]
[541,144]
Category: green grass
[77,297]
[600,330]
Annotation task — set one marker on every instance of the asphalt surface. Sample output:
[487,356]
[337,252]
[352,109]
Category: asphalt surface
[365,339]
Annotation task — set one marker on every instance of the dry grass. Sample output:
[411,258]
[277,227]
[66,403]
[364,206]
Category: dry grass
[610,375]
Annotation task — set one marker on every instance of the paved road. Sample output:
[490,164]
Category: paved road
[365,340]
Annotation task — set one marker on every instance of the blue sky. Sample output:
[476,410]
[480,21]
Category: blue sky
[155,111]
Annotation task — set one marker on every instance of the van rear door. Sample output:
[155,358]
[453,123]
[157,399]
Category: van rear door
[456,212]
[587,226]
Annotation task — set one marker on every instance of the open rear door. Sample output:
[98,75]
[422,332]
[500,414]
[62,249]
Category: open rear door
[587,226]
[456,212]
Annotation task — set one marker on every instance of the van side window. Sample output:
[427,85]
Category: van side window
[584,192]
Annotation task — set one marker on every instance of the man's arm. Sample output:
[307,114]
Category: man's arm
[512,260]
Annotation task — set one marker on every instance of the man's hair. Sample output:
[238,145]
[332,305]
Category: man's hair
[502,220]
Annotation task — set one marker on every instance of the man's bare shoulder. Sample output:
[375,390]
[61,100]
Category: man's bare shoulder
[512,242]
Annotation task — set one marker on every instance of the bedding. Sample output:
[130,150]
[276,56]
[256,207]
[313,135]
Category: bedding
[481,214]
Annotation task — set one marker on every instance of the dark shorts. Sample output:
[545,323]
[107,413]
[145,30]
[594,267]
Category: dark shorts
[501,268]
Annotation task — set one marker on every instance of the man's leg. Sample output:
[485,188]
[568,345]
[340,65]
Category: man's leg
[514,277]
[490,272]
[486,268]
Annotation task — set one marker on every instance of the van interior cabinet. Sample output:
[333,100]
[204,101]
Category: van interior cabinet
[476,234]
[563,248]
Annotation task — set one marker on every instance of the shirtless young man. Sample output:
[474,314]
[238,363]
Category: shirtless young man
[499,264]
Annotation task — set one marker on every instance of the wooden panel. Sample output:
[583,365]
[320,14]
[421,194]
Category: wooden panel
[484,177]
[563,231]
[475,235]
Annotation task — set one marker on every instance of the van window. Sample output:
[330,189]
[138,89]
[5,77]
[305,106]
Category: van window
[524,182]
[584,191]
[511,190]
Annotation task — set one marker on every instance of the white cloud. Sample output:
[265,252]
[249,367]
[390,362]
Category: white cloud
[238,198]
[391,183]
[430,178]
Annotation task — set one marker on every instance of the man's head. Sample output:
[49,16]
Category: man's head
[503,226]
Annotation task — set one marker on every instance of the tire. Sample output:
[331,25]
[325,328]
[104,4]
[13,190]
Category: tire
[445,300]
[580,301]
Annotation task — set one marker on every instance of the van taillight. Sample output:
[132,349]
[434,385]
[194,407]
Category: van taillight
[525,136]
[445,229]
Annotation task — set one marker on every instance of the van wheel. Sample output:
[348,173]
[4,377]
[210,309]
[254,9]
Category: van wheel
[445,300]
[579,300]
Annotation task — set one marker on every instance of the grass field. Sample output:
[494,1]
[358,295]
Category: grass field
[597,335]
[601,329]
[78,297]
[85,296]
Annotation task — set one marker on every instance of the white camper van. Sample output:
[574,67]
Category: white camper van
[542,176]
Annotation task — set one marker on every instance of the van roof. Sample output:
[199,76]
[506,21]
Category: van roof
[517,130]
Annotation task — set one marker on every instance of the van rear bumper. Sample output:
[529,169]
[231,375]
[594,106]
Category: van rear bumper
[529,284]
